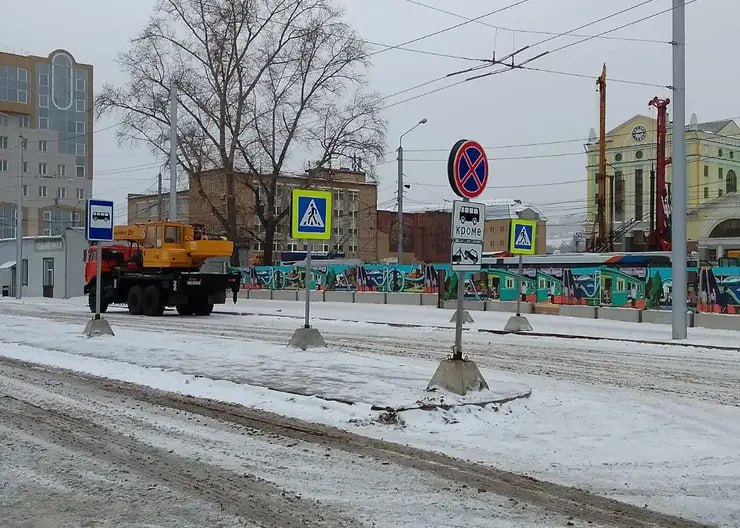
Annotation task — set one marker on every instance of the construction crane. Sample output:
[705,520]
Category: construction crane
[659,238]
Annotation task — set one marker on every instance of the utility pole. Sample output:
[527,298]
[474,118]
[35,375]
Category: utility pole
[159,196]
[601,206]
[173,151]
[19,224]
[678,156]
[399,247]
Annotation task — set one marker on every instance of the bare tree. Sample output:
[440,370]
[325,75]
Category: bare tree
[262,84]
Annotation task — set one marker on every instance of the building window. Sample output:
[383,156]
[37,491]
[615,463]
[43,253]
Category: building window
[719,153]
[22,75]
[80,149]
[42,168]
[292,246]
[80,194]
[619,196]
[25,121]
[25,190]
[22,96]
[79,127]
[42,194]
[731,182]
[638,194]
[719,192]
[80,171]
[3,165]
[61,81]
[732,154]
[80,85]
[24,272]
[80,105]
[706,192]
[3,142]
[706,171]
[62,192]
[44,79]
[353,249]
[43,101]
[638,154]
[7,222]
[719,172]
[44,123]
[618,156]
[43,145]
[3,120]
[25,166]
[61,170]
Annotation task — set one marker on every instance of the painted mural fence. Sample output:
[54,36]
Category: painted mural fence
[710,289]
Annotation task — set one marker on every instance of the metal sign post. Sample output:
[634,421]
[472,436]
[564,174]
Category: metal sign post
[522,241]
[467,170]
[310,220]
[99,228]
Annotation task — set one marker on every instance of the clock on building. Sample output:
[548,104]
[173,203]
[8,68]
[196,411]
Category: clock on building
[639,133]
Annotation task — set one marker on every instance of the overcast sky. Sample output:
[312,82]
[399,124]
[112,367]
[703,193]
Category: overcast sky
[513,108]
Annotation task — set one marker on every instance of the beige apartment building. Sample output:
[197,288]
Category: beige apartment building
[46,125]
[354,215]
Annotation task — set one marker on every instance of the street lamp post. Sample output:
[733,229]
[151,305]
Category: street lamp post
[19,224]
[399,247]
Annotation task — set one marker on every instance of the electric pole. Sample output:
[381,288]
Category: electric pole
[173,151]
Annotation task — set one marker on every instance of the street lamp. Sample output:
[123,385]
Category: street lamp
[19,220]
[399,248]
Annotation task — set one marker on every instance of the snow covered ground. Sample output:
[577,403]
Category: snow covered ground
[665,442]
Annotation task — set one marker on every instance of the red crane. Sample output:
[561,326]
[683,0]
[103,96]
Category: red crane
[660,238]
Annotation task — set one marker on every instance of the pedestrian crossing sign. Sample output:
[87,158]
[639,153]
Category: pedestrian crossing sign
[523,237]
[311,215]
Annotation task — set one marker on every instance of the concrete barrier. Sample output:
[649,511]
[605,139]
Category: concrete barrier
[717,321]
[409,299]
[370,297]
[664,317]
[509,306]
[264,295]
[629,315]
[316,295]
[585,312]
[471,306]
[429,299]
[284,295]
[339,296]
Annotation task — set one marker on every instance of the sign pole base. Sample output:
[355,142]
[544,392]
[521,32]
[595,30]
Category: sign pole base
[518,323]
[307,337]
[97,326]
[466,317]
[459,376]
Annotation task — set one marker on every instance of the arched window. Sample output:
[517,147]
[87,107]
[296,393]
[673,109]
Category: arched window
[61,81]
[727,229]
[731,182]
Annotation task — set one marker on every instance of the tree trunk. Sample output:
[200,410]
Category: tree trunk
[269,239]
[231,229]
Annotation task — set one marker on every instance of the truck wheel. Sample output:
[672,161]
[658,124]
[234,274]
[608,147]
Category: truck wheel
[184,309]
[204,309]
[91,301]
[135,295]
[151,301]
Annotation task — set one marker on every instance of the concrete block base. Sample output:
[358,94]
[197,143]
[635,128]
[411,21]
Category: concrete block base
[509,306]
[316,295]
[264,295]
[629,315]
[573,310]
[518,323]
[284,295]
[477,306]
[97,328]
[717,321]
[466,317]
[305,338]
[370,297]
[407,299]
[458,376]
[429,299]
[339,296]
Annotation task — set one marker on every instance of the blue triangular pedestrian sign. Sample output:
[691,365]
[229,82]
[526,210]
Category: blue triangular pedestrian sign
[522,240]
[311,217]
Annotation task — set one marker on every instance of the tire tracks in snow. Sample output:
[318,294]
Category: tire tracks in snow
[255,499]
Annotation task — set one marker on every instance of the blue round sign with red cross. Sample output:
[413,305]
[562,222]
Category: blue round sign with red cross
[467,168]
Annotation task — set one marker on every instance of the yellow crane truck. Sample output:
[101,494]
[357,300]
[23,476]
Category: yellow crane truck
[157,264]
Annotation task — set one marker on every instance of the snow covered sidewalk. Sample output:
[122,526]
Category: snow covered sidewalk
[674,454]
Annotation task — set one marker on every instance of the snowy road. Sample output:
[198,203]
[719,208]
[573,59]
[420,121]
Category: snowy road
[709,375]
[101,452]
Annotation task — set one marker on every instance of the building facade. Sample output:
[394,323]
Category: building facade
[52,266]
[46,124]
[713,165]
[354,217]
[144,208]
[427,233]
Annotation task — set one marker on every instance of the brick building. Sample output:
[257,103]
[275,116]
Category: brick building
[146,207]
[427,235]
[354,217]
